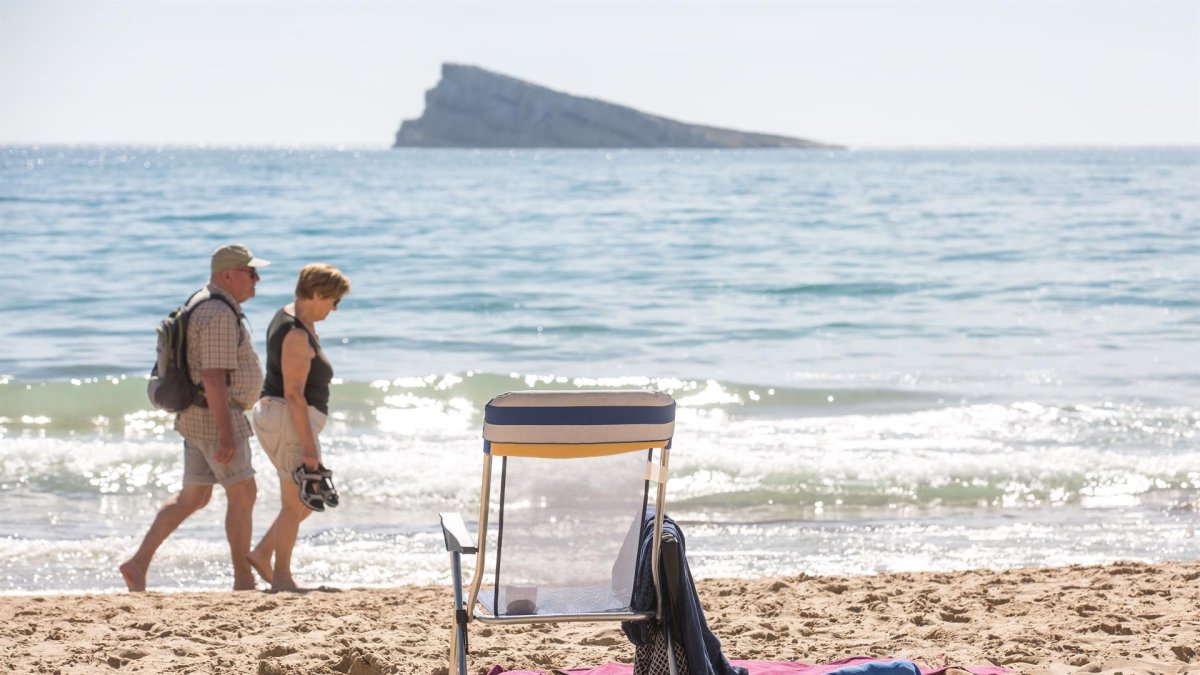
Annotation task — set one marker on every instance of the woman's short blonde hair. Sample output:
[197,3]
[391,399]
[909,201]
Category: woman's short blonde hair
[321,279]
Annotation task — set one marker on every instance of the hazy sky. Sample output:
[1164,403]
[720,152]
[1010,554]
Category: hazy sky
[859,73]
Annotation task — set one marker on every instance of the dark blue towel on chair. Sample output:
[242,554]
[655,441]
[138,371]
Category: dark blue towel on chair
[682,612]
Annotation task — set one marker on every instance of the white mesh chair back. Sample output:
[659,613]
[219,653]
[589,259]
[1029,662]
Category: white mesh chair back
[570,497]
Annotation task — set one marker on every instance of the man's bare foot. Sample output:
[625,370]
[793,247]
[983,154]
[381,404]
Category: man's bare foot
[245,582]
[263,567]
[135,576]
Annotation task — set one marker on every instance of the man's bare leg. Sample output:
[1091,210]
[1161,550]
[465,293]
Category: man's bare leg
[170,515]
[239,512]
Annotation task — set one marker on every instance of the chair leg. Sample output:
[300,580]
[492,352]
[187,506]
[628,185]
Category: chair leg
[458,650]
[670,651]
[458,638]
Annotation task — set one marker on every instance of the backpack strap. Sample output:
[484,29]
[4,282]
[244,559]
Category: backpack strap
[189,306]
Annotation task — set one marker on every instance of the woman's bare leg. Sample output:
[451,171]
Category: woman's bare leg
[284,531]
[260,556]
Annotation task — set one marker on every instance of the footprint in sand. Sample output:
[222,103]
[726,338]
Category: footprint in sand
[276,651]
[355,662]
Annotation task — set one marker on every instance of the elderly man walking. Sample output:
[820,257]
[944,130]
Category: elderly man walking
[216,433]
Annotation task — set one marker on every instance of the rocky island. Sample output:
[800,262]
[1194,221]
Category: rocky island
[475,108]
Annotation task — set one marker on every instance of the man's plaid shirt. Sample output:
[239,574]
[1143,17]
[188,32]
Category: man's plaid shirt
[213,342]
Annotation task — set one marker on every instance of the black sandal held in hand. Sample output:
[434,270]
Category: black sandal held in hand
[316,487]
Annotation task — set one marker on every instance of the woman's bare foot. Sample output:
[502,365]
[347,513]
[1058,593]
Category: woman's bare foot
[134,575]
[287,585]
[260,565]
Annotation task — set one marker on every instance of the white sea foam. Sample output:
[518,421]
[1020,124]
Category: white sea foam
[939,488]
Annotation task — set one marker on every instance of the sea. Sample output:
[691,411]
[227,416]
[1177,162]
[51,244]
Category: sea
[884,360]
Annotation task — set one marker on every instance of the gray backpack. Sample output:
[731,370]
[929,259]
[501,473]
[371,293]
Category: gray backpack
[171,387]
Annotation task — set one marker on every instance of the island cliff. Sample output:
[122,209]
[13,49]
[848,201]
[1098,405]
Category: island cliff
[474,108]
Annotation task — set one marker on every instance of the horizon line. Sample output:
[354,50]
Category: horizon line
[358,147]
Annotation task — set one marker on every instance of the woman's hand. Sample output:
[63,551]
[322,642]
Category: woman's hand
[311,460]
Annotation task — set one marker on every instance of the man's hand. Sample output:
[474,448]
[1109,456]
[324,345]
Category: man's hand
[226,449]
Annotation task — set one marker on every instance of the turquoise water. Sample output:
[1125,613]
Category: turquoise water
[884,360]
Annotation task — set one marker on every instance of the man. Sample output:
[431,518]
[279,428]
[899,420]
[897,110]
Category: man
[216,435]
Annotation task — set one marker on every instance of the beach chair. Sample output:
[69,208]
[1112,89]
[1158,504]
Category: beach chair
[576,470]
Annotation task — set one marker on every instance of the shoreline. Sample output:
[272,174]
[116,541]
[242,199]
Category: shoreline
[1123,617]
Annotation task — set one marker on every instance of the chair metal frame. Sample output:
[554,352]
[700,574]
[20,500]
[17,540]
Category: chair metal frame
[459,542]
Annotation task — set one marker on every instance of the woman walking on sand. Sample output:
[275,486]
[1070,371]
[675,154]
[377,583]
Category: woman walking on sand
[291,413]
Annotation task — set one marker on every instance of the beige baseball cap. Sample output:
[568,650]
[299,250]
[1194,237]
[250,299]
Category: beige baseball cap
[233,256]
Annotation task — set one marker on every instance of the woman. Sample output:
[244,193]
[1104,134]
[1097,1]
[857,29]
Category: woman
[291,413]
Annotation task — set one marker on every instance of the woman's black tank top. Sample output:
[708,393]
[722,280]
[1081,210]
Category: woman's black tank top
[320,371]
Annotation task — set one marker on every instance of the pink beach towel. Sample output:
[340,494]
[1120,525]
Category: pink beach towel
[760,668]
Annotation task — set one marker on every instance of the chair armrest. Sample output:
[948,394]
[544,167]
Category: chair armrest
[454,530]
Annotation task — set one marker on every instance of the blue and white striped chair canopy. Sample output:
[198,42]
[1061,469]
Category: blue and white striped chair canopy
[571,424]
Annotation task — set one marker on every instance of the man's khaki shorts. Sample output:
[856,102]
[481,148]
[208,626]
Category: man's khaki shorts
[278,437]
[200,467]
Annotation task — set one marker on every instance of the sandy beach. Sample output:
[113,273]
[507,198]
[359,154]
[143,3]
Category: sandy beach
[1118,618]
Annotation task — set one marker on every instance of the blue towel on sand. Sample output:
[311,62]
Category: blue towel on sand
[897,667]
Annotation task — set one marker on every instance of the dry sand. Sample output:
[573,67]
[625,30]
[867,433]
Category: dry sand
[1120,618]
